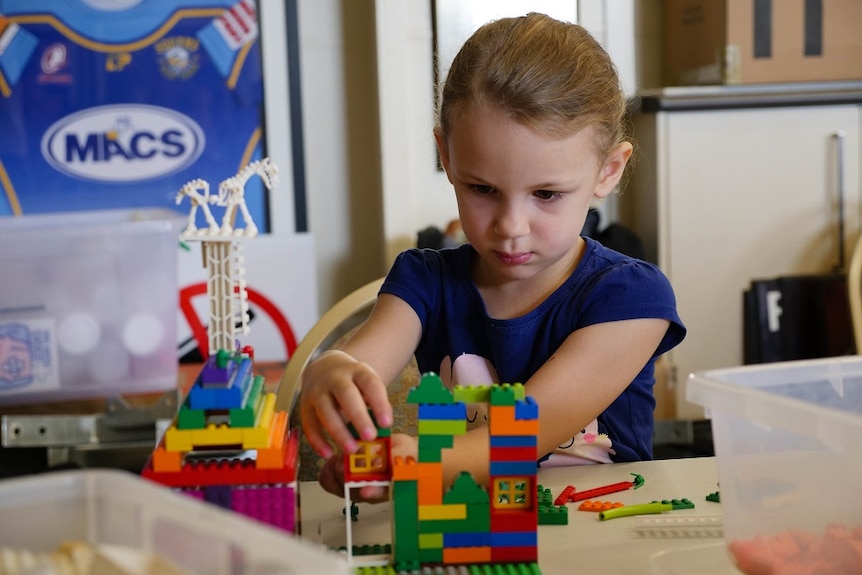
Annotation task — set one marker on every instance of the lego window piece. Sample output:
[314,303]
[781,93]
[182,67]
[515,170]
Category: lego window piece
[370,457]
[511,493]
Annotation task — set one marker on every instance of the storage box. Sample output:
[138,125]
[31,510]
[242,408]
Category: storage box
[88,304]
[761,41]
[788,442]
[118,508]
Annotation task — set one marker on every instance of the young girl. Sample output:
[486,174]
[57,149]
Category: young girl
[530,133]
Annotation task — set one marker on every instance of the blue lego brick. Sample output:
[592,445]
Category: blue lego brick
[513,441]
[478,539]
[221,495]
[512,468]
[218,370]
[527,409]
[231,397]
[514,539]
[452,411]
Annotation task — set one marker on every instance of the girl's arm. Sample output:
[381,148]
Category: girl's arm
[592,367]
[341,385]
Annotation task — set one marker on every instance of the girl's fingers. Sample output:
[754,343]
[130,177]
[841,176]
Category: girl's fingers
[376,396]
[331,477]
[314,434]
[332,422]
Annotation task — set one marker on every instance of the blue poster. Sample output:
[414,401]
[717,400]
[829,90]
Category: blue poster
[119,103]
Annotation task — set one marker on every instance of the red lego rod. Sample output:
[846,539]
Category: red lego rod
[571,494]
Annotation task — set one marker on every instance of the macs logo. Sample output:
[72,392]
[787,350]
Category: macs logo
[123,143]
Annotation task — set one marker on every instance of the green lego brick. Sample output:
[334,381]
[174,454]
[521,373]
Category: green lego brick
[441,427]
[504,569]
[430,390]
[381,431]
[677,503]
[507,394]
[375,570]
[246,415]
[433,455]
[405,516]
[715,497]
[472,393]
[544,496]
[376,549]
[436,442]
[478,519]
[465,490]
[431,555]
[553,515]
[188,418]
[431,541]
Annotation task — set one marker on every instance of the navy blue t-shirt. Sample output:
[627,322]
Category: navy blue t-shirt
[467,347]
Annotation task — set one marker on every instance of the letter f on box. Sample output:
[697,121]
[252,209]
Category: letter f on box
[773,310]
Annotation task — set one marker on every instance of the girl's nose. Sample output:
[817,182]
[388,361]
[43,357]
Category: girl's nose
[511,221]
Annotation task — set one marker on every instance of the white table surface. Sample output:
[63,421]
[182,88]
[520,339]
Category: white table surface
[586,545]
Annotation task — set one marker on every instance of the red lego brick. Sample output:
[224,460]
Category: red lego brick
[514,554]
[513,454]
[514,520]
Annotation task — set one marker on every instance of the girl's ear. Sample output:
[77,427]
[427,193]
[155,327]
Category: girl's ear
[613,169]
[443,150]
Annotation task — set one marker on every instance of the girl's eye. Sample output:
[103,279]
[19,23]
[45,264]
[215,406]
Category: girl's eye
[547,195]
[481,188]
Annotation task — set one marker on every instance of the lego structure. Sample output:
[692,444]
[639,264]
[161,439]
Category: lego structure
[228,445]
[465,523]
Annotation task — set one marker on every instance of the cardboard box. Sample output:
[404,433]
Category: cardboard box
[761,41]
[88,304]
[787,444]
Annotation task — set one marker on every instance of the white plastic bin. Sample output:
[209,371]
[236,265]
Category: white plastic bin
[115,507]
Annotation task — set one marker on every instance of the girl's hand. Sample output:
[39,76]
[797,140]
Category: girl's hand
[332,475]
[337,389]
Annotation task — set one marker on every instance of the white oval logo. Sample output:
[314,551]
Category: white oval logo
[123,143]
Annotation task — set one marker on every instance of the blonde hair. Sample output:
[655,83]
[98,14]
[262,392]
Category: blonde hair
[551,75]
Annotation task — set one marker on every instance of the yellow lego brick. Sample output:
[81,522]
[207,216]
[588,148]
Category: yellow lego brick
[213,435]
[430,541]
[178,439]
[450,511]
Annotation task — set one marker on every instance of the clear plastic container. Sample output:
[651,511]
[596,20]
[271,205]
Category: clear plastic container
[88,304]
[114,507]
[788,443]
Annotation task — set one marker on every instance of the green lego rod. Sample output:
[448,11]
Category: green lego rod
[627,510]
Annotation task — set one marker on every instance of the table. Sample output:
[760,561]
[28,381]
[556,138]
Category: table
[586,545]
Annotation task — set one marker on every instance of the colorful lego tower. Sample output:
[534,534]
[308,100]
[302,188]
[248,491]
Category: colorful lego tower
[465,523]
[228,444]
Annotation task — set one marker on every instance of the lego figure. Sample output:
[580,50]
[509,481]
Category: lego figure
[531,134]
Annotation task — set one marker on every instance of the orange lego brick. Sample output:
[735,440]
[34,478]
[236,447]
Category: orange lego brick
[597,506]
[272,457]
[164,460]
[404,469]
[463,555]
[430,482]
[501,419]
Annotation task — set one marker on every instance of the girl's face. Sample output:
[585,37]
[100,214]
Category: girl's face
[523,197]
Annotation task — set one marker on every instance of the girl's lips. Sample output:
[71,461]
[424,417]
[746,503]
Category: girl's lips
[514,259]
